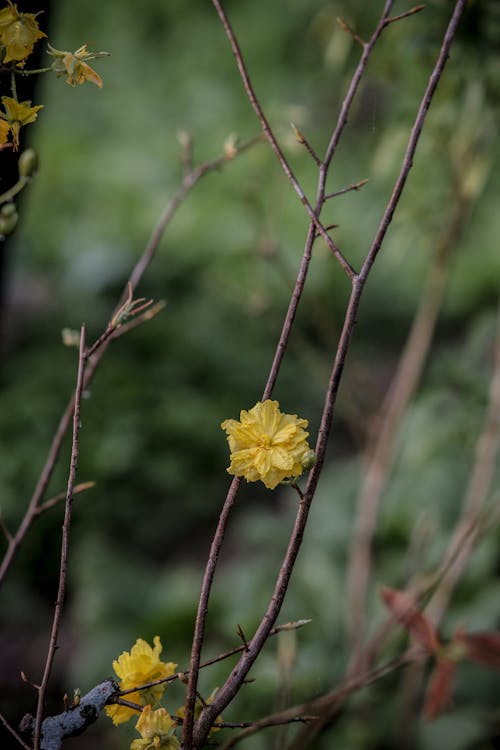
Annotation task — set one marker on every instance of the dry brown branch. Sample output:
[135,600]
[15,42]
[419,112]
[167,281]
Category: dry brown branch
[63,569]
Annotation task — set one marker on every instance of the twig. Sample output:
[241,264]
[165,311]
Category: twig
[303,140]
[82,487]
[354,186]
[345,27]
[407,13]
[63,569]
[226,693]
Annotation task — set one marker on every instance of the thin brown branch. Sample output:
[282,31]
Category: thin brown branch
[53,501]
[238,674]
[63,569]
[407,13]
[303,140]
[345,27]
[251,728]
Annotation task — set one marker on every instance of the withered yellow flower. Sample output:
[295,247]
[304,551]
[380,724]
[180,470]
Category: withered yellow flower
[16,115]
[18,32]
[139,667]
[156,729]
[267,445]
[75,66]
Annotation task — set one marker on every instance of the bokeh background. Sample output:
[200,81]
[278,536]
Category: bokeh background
[151,437]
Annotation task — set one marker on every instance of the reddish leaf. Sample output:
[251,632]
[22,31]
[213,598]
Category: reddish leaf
[483,648]
[438,696]
[406,611]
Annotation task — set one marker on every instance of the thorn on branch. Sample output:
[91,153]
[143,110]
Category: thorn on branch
[345,27]
[242,636]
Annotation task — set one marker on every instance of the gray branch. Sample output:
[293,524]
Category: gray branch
[75,720]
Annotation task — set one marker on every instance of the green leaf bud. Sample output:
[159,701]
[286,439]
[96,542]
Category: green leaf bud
[8,219]
[28,163]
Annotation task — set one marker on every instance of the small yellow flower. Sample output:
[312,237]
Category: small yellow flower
[18,32]
[16,115]
[75,66]
[156,729]
[267,444]
[140,666]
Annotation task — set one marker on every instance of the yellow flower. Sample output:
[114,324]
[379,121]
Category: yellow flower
[140,666]
[18,32]
[266,444]
[75,66]
[16,115]
[156,729]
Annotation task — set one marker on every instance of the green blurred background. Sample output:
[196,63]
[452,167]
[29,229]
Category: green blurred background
[151,437]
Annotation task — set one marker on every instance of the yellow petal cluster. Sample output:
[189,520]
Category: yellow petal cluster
[18,32]
[266,444]
[156,730]
[139,667]
[15,116]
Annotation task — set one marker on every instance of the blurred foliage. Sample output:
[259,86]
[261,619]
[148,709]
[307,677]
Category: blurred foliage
[151,438]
